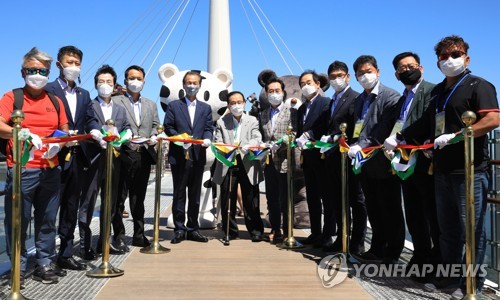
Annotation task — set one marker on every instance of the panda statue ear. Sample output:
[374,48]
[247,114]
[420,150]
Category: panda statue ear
[264,77]
[166,71]
[324,81]
[225,76]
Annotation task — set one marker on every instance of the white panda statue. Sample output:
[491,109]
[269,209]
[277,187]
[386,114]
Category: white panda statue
[213,90]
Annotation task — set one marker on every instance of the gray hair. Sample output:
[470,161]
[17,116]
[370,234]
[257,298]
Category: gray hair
[35,54]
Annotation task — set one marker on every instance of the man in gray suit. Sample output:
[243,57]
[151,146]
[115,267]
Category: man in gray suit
[240,129]
[374,109]
[142,115]
[418,189]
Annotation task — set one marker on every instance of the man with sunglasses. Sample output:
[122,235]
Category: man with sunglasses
[41,176]
[418,189]
[74,158]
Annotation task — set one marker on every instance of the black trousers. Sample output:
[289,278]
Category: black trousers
[134,176]
[277,196]
[250,194]
[383,204]
[356,199]
[71,187]
[186,174]
[421,217]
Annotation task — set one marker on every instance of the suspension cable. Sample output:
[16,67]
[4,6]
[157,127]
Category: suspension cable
[185,30]
[255,35]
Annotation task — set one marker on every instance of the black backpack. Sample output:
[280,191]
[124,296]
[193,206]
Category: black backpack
[18,104]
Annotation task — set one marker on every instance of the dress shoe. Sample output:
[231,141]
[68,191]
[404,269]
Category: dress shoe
[45,274]
[334,247]
[88,254]
[112,250]
[70,263]
[367,257]
[196,236]
[257,238]
[57,270]
[120,245]
[179,236]
[311,239]
[141,242]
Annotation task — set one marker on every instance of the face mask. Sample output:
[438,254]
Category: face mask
[410,77]
[308,90]
[338,84]
[135,86]
[452,66]
[104,90]
[71,73]
[368,80]
[275,98]
[191,90]
[36,81]
[237,110]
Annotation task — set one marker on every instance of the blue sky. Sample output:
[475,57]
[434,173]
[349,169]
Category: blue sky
[316,31]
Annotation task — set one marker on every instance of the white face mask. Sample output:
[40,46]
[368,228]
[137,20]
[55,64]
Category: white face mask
[368,80]
[135,86]
[452,66]
[71,73]
[275,98]
[237,110]
[308,90]
[191,89]
[36,81]
[104,90]
[338,84]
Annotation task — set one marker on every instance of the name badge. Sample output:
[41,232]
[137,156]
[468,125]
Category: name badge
[357,128]
[397,127]
[439,124]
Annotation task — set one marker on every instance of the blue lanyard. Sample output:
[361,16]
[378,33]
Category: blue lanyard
[451,93]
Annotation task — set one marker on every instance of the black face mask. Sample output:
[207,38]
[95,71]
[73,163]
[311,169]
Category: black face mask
[410,77]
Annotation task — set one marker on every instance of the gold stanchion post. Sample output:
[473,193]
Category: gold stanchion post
[105,269]
[290,242]
[469,118]
[155,247]
[15,285]
[345,201]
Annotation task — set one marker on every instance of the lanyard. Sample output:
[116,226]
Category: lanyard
[451,93]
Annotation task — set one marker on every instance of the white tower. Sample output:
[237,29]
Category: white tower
[219,38]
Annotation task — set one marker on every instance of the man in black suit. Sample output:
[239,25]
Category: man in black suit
[308,117]
[73,157]
[341,110]
[418,189]
[375,119]
[194,117]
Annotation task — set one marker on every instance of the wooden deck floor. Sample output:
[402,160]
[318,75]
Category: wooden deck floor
[211,270]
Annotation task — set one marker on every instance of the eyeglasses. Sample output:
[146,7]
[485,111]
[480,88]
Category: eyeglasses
[33,71]
[407,67]
[334,76]
[453,54]
[236,102]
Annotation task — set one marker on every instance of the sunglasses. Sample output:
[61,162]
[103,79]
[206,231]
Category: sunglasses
[453,54]
[33,71]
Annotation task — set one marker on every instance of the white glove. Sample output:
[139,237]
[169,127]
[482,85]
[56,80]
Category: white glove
[23,134]
[326,139]
[71,144]
[301,141]
[96,134]
[244,150]
[161,135]
[152,140]
[285,139]
[36,141]
[128,135]
[443,140]
[336,137]
[206,143]
[274,147]
[52,150]
[103,144]
[353,150]
[73,132]
[389,154]
[391,142]
[264,145]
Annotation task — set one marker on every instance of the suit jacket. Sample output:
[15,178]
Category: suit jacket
[149,119]
[379,121]
[118,114]
[177,121]
[84,117]
[280,129]
[249,136]
[417,111]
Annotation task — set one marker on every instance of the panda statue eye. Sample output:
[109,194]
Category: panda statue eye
[182,94]
[206,95]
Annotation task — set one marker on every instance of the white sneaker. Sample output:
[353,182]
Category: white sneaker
[457,294]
